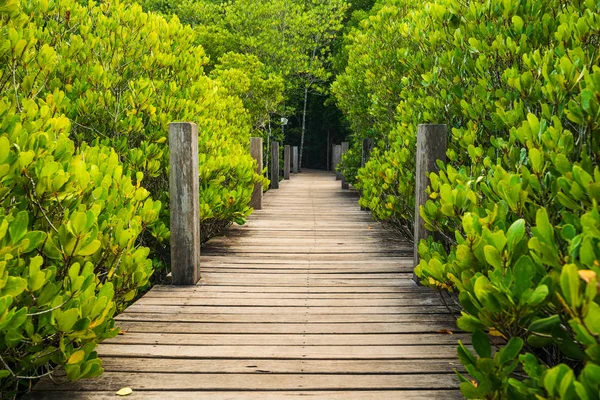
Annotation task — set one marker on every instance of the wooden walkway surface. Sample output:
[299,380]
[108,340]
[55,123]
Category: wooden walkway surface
[309,299]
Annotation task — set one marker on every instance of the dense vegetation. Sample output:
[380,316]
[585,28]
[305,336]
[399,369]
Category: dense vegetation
[515,207]
[87,91]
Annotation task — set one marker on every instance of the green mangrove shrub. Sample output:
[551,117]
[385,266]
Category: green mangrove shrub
[70,218]
[86,95]
[127,74]
[516,205]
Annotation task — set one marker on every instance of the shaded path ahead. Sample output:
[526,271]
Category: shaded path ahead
[309,299]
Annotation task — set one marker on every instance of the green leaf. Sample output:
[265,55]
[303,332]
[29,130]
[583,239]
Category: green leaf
[569,284]
[493,257]
[35,238]
[90,248]
[18,227]
[515,234]
[517,23]
[79,223]
[510,351]
[481,344]
[539,295]
[469,323]
[14,286]
[523,273]
[544,325]
[537,160]
[543,226]
[76,357]
[67,319]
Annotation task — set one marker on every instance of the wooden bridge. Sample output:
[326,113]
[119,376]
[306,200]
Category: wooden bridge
[309,299]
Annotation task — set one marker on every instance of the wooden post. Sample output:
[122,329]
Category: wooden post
[337,158]
[275,165]
[256,150]
[295,159]
[345,148]
[287,150]
[367,146]
[184,196]
[431,146]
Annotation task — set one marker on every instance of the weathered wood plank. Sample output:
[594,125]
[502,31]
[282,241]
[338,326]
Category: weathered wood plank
[298,303]
[261,366]
[207,382]
[276,317]
[288,311]
[148,324]
[289,340]
[261,395]
[280,352]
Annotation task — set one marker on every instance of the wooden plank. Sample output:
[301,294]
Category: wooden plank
[280,352]
[236,288]
[139,324]
[169,339]
[285,311]
[260,395]
[352,303]
[276,317]
[261,366]
[213,382]
[276,296]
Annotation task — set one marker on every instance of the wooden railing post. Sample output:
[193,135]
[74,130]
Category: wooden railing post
[367,147]
[256,152]
[295,159]
[287,150]
[337,157]
[345,147]
[184,195]
[431,146]
[275,165]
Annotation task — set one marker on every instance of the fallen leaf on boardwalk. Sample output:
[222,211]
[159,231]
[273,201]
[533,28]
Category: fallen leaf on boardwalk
[126,391]
[122,332]
[446,331]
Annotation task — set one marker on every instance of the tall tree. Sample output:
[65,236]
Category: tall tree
[322,20]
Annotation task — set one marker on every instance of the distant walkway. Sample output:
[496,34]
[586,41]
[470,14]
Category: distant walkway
[309,299]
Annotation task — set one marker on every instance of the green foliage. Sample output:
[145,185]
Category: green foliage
[516,204]
[246,77]
[69,220]
[86,95]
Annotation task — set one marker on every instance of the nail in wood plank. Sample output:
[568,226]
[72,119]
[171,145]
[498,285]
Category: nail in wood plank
[184,200]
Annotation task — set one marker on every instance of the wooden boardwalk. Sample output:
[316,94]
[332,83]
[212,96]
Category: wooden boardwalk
[309,299]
